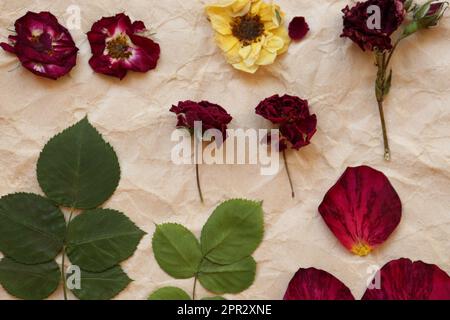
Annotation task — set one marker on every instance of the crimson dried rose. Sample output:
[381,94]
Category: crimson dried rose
[361,26]
[406,280]
[314,284]
[298,28]
[362,209]
[297,125]
[356,25]
[42,45]
[210,115]
[118,45]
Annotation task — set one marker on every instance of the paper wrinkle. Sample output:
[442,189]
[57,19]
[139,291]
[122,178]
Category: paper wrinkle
[332,73]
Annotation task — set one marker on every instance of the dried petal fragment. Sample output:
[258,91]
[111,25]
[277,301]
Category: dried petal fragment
[406,280]
[298,28]
[314,284]
[362,209]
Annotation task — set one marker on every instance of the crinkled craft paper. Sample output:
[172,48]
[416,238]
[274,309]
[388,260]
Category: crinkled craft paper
[331,72]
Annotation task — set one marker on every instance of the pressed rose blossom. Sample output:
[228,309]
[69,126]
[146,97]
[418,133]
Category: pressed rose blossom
[297,125]
[406,280]
[118,45]
[314,284]
[362,209]
[211,116]
[356,25]
[251,33]
[372,24]
[42,45]
[298,28]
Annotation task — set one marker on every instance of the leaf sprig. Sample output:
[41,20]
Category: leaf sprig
[77,169]
[221,261]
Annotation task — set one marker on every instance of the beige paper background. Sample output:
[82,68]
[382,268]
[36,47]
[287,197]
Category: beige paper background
[331,72]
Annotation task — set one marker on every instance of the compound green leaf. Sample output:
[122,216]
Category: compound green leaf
[169,293]
[32,228]
[100,239]
[233,232]
[29,282]
[102,285]
[77,168]
[233,278]
[176,250]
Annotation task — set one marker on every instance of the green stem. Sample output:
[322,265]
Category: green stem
[288,174]
[197,174]
[387,150]
[195,287]
[63,266]
[199,188]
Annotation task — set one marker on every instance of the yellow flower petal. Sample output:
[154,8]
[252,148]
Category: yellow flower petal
[266,58]
[250,69]
[284,35]
[274,44]
[226,43]
[220,23]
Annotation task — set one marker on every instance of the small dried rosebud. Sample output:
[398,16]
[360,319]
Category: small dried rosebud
[426,16]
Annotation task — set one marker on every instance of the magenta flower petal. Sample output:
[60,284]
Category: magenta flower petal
[314,284]
[42,45]
[298,28]
[362,209]
[118,47]
[406,280]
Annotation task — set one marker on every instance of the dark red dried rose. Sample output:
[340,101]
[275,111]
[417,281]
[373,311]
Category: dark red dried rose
[42,45]
[211,115]
[356,25]
[314,284]
[406,280]
[298,28]
[362,209]
[118,46]
[297,125]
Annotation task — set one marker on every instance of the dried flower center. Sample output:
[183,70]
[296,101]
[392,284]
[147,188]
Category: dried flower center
[247,28]
[361,249]
[118,47]
[42,43]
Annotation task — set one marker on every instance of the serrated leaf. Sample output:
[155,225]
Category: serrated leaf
[99,239]
[233,232]
[29,282]
[102,285]
[32,228]
[233,278]
[77,168]
[169,293]
[214,298]
[176,250]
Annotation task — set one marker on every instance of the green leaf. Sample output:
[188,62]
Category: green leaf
[387,84]
[176,250]
[233,232]
[32,229]
[214,298]
[77,168]
[29,282]
[233,278]
[102,285]
[169,293]
[99,239]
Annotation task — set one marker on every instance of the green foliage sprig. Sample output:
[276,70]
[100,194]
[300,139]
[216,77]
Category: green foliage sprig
[221,261]
[77,169]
